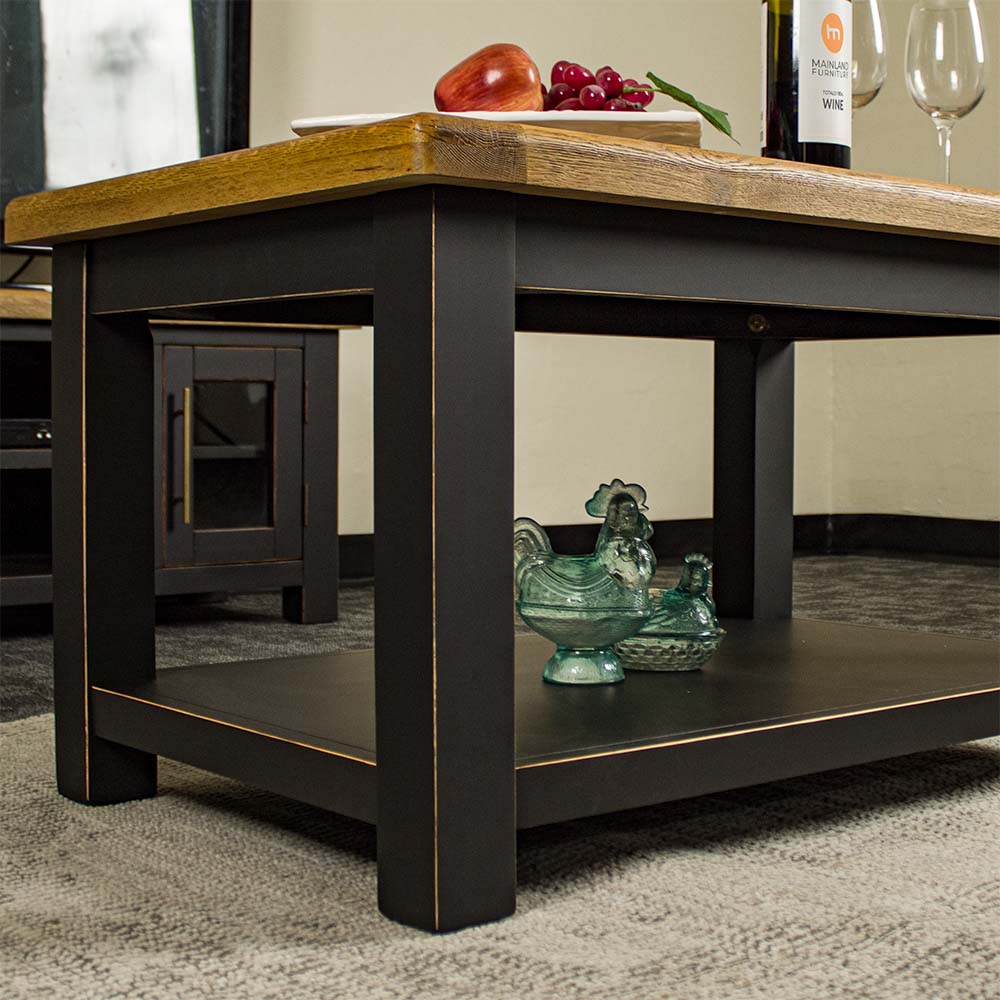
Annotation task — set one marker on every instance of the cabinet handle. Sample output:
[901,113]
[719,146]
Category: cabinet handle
[187,455]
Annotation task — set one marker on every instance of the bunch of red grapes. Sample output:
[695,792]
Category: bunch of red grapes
[575,88]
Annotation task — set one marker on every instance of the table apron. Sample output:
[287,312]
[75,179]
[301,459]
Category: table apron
[622,250]
[305,252]
[275,262]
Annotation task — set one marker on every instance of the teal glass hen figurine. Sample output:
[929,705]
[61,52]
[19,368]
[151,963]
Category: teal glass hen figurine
[683,631]
[585,604]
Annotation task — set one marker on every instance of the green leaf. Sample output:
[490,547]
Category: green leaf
[714,116]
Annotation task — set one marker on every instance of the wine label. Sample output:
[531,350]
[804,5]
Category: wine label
[823,30]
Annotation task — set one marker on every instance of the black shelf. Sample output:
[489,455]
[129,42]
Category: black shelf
[25,458]
[833,694]
[27,588]
[214,452]
[25,563]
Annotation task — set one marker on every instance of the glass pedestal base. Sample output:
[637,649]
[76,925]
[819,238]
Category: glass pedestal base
[583,666]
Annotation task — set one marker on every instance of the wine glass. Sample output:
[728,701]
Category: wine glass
[946,64]
[869,66]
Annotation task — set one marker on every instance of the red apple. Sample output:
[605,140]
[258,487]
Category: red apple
[497,78]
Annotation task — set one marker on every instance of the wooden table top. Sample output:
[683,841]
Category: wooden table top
[25,303]
[434,149]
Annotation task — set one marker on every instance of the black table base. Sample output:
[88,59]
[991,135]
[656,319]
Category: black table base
[447,274]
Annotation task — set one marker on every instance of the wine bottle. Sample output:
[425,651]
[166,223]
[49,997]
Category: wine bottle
[806,81]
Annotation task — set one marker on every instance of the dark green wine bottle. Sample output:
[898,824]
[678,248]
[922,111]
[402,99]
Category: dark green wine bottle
[806,81]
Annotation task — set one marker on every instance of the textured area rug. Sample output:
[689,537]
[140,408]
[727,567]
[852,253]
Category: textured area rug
[876,882]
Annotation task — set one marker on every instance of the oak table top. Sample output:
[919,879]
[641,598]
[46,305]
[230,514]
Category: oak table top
[434,149]
[25,303]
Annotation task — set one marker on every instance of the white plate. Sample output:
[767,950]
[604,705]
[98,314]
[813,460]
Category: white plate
[679,127]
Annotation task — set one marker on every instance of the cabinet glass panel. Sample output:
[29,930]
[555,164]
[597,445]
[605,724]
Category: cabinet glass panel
[233,454]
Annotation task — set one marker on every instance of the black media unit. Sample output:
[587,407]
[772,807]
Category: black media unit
[243,501]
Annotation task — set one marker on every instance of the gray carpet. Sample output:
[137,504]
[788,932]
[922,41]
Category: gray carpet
[877,882]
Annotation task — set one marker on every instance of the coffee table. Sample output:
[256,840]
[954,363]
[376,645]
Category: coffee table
[448,235]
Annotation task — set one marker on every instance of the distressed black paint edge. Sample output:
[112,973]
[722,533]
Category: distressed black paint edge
[614,782]
[628,314]
[407,879]
[307,774]
[446,847]
[705,255]
[282,255]
[474,238]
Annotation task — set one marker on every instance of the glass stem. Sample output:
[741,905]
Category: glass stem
[944,127]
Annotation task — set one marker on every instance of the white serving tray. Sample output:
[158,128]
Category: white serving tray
[681,128]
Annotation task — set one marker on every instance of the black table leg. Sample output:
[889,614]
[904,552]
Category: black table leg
[444,421]
[102,480]
[316,599]
[753,464]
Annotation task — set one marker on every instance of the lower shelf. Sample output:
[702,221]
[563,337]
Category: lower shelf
[25,458]
[26,579]
[779,699]
[26,585]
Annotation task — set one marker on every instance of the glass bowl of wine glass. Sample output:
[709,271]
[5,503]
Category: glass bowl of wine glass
[946,62]
[869,60]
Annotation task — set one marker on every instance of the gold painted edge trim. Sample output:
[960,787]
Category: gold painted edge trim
[224,347]
[434,701]
[223,565]
[275,465]
[187,456]
[166,427]
[250,325]
[319,293]
[333,293]
[233,725]
[83,531]
[568,760]
[656,296]
[756,729]
[248,527]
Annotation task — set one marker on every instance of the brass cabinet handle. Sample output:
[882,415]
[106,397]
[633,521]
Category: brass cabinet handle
[187,455]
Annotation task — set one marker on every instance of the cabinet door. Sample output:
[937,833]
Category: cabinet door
[232,455]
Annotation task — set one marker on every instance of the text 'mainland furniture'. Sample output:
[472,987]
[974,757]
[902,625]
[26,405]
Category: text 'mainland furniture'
[448,235]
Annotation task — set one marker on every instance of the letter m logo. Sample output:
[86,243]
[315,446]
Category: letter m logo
[832,32]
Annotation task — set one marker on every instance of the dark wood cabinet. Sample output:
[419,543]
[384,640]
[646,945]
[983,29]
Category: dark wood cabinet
[234,438]
[231,454]
[25,460]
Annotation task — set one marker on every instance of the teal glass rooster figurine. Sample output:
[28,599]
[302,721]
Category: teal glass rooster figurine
[585,604]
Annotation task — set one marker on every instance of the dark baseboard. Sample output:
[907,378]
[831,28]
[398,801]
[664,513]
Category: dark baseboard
[670,538]
[815,534]
[357,557]
[897,534]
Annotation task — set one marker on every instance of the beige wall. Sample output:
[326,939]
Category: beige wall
[901,427]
